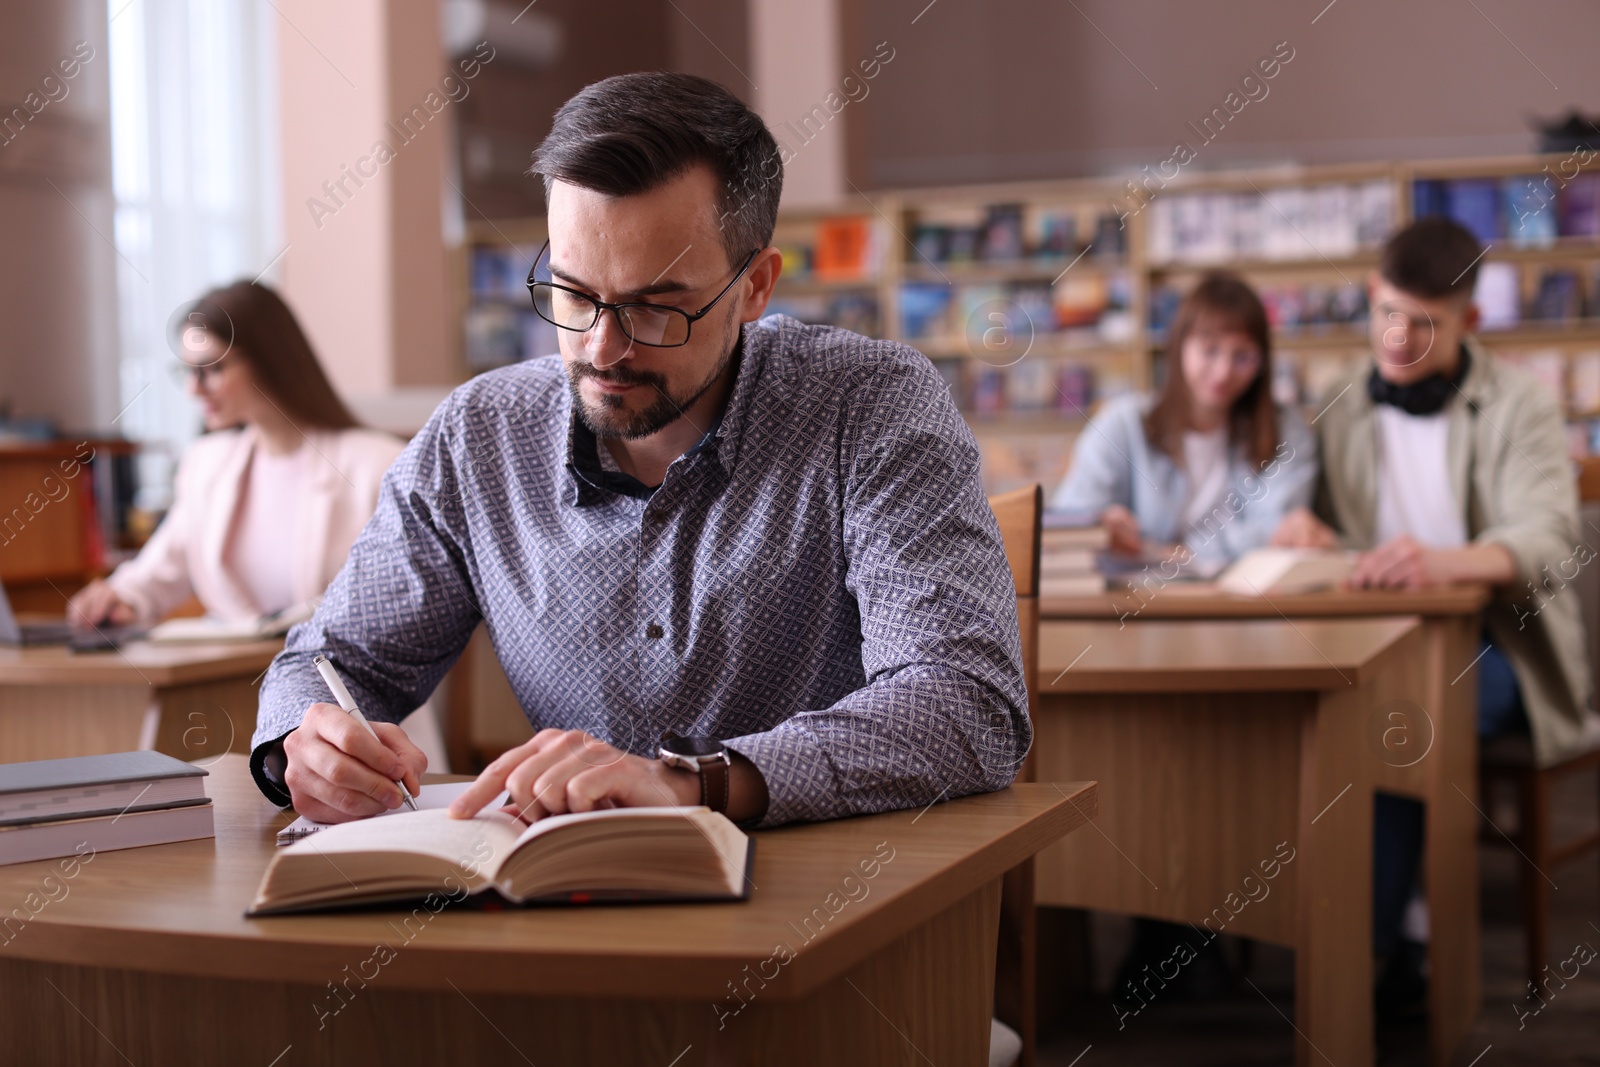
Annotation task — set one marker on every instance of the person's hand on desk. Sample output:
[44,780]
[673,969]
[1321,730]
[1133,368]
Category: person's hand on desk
[1402,563]
[1123,529]
[98,603]
[1302,529]
[337,771]
[560,771]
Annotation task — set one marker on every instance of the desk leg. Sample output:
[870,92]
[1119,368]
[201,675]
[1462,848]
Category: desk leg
[1333,959]
[1455,992]
[927,997]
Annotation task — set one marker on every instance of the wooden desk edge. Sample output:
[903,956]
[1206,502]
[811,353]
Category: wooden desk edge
[508,969]
[1230,680]
[1113,604]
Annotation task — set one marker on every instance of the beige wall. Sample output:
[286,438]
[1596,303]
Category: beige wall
[57,273]
[1018,89]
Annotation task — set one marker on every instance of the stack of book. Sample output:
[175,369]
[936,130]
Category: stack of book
[88,804]
[1070,549]
[1289,223]
[1529,210]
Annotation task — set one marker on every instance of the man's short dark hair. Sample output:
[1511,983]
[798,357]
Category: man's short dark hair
[1432,258]
[632,133]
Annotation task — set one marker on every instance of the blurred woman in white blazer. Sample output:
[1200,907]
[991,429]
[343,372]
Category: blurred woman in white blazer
[269,500]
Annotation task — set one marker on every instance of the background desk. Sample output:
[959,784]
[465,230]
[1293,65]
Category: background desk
[152,948]
[1427,748]
[1217,744]
[190,701]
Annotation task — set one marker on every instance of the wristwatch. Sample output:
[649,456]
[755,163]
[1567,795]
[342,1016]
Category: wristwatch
[707,757]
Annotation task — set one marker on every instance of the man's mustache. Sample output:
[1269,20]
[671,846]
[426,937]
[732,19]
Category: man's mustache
[616,375]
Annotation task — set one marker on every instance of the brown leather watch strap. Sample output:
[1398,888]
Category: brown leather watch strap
[715,775]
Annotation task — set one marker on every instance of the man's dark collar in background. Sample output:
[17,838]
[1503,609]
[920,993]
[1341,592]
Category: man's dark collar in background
[1425,397]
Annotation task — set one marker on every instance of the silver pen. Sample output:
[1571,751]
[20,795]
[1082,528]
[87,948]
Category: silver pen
[342,695]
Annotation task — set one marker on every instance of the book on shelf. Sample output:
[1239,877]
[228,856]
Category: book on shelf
[924,310]
[1530,211]
[1498,294]
[1278,223]
[1002,234]
[617,855]
[1050,232]
[52,808]
[1559,296]
[1525,209]
[1579,207]
[1010,233]
[844,249]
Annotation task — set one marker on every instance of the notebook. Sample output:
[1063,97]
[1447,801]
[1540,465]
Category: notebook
[615,855]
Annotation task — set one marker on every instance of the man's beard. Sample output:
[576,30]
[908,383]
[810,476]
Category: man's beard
[612,419]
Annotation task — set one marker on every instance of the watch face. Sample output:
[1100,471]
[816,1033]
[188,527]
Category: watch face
[691,746]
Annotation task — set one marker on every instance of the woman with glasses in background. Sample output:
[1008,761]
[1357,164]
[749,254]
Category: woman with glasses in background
[1210,463]
[268,501]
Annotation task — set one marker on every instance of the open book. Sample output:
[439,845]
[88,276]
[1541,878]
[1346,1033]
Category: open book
[618,854]
[1286,571]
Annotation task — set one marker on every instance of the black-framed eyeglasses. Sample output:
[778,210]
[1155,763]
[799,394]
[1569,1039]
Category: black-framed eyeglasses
[655,325]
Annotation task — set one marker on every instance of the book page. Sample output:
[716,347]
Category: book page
[480,843]
[436,795]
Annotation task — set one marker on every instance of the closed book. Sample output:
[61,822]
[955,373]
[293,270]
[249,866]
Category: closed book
[1072,585]
[54,789]
[134,829]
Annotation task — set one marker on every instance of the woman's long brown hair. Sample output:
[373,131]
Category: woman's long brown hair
[1220,301]
[258,328]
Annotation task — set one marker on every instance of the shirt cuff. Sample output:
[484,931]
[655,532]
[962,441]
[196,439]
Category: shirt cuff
[799,776]
[267,765]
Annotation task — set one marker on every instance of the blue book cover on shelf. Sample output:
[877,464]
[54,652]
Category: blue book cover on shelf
[1530,215]
[1475,203]
[1428,197]
[922,310]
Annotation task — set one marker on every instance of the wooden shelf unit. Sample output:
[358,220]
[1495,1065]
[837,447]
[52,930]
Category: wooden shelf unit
[1130,357]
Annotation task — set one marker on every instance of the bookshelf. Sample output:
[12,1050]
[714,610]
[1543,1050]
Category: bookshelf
[1036,302]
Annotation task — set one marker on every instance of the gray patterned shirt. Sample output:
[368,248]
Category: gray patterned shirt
[820,582]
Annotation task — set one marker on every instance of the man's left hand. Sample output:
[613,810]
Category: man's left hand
[561,771]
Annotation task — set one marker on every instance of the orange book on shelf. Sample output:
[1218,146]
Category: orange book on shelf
[842,248]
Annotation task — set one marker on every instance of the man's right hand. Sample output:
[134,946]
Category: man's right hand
[98,603]
[337,771]
[1123,529]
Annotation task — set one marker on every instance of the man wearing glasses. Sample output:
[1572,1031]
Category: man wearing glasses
[723,559]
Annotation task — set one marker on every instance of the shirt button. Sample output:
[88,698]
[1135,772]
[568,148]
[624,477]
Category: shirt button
[653,631]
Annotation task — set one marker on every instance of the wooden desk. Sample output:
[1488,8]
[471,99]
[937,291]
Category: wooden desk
[1428,748]
[1221,747]
[151,946]
[190,701]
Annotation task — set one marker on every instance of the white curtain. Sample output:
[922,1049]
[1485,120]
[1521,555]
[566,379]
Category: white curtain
[194,150]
